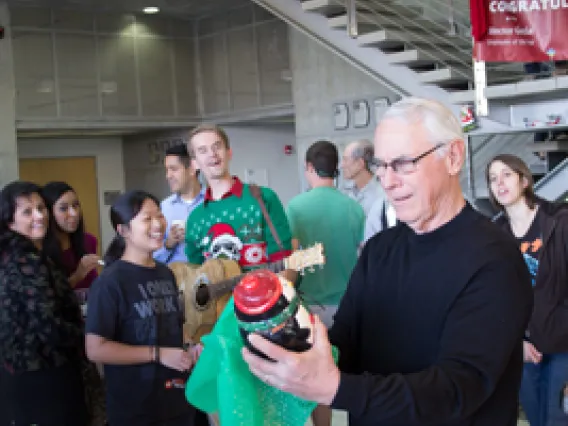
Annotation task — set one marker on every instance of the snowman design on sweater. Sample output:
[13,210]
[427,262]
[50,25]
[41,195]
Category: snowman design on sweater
[234,228]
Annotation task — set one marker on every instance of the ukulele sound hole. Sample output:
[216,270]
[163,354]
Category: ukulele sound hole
[202,295]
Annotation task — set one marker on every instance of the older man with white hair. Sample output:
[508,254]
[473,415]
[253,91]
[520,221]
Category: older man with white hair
[363,187]
[430,329]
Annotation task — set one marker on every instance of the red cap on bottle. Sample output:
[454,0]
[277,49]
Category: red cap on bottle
[257,292]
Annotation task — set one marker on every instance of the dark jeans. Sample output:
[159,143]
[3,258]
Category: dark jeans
[48,397]
[541,388]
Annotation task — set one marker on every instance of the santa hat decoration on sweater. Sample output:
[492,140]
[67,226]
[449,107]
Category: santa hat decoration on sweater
[223,242]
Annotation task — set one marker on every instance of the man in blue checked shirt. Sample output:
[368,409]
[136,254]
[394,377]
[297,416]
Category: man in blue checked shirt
[186,195]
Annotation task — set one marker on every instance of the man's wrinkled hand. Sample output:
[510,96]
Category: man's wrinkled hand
[311,375]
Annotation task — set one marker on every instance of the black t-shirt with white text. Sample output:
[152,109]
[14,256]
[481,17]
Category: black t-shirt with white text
[139,306]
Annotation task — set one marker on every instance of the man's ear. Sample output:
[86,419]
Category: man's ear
[455,157]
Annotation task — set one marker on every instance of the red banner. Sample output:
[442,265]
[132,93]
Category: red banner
[520,30]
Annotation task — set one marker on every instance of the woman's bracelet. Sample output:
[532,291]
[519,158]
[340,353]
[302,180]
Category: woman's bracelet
[154,354]
[157,354]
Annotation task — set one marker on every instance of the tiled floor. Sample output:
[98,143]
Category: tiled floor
[340,419]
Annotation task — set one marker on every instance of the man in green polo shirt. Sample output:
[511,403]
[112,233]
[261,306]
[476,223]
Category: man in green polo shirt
[325,215]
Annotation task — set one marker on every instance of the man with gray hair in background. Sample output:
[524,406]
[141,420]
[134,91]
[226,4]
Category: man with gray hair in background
[365,187]
[356,167]
[430,329]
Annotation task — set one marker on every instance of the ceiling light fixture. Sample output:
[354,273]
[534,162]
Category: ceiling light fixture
[151,9]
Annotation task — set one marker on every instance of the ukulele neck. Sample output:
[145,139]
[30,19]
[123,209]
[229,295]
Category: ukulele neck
[226,286]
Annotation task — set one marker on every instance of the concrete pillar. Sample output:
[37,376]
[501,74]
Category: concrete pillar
[8,141]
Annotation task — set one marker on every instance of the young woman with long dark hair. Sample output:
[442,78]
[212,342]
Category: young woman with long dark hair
[41,333]
[134,322]
[541,230]
[67,242]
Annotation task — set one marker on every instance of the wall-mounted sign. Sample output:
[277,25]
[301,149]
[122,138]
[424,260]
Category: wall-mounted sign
[340,116]
[380,106]
[157,148]
[361,113]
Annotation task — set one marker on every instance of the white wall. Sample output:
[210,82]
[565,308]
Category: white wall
[110,169]
[72,64]
[8,167]
[263,148]
[319,79]
[255,147]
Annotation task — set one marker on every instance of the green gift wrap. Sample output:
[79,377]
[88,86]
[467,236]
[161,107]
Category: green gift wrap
[222,382]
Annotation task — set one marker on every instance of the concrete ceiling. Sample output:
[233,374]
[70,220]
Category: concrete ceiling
[174,8]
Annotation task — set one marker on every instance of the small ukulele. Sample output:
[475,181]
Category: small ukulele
[207,289]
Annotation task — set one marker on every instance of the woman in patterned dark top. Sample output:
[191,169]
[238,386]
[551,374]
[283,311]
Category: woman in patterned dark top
[40,322]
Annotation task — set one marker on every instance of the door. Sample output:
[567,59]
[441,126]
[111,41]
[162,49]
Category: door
[80,173]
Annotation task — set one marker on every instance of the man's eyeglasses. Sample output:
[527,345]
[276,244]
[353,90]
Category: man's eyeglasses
[400,165]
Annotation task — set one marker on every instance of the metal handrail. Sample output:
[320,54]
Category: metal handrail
[484,143]
[435,7]
[364,4]
[551,174]
[408,19]
[457,55]
[452,52]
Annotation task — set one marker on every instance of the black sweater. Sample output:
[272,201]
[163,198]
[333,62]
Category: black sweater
[430,329]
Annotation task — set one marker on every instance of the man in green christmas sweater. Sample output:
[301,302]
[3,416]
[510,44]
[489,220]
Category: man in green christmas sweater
[230,223]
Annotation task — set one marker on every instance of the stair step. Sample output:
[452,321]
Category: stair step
[552,146]
[385,10]
[405,21]
[382,39]
[325,7]
[417,57]
[390,7]
[462,96]
[380,36]
[444,75]
[333,7]
[341,22]
[508,86]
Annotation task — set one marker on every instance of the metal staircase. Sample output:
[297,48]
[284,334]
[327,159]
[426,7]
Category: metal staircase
[428,37]
[423,48]
[408,42]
